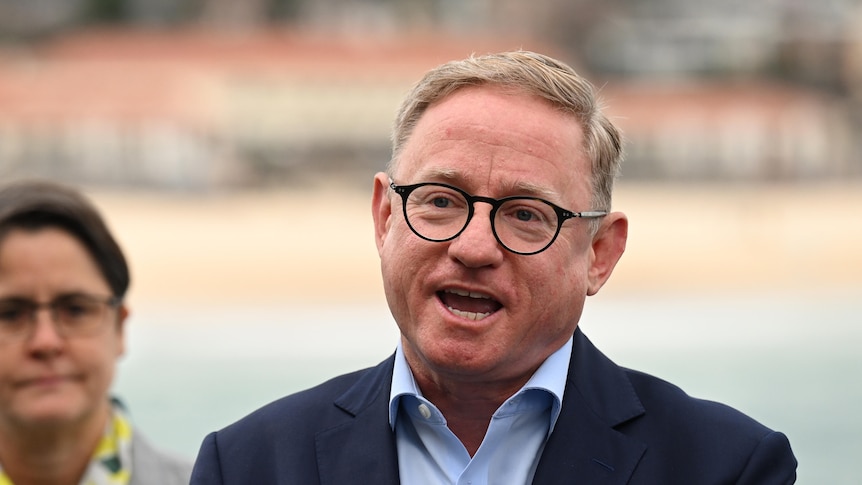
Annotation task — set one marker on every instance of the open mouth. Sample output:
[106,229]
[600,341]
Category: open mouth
[468,304]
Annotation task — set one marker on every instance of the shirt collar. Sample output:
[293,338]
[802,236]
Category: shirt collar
[549,377]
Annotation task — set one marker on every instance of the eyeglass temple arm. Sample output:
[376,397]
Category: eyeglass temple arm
[588,214]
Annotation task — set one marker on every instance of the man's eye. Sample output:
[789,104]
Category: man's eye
[525,215]
[441,202]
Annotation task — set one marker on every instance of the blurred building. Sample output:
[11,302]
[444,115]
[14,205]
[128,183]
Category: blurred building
[740,131]
[196,108]
[213,93]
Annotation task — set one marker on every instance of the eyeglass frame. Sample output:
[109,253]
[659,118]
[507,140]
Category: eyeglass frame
[562,214]
[33,307]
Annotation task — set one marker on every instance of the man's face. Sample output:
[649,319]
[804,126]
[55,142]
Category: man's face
[492,143]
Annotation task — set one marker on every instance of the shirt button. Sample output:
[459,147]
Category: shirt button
[424,411]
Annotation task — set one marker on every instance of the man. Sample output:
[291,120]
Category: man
[493,225]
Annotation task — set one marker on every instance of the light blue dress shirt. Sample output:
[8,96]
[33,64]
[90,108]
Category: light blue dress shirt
[430,454]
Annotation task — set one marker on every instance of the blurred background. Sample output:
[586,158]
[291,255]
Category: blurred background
[231,146]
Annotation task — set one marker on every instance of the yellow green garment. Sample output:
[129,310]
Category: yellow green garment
[112,460]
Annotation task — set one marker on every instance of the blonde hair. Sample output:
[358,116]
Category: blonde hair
[531,73]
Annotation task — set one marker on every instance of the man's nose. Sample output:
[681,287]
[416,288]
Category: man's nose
[477,246]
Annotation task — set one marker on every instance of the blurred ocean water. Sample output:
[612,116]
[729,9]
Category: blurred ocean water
[791,361]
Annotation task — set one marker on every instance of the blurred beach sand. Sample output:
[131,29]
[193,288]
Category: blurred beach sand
[317,245]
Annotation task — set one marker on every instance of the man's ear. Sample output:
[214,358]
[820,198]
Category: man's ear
[607,247]
[381,209]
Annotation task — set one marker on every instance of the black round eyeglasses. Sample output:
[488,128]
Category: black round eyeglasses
[521,224]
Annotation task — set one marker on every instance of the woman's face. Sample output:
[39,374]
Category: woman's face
[47,378]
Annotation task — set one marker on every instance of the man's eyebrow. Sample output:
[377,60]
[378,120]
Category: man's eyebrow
[523,187]
[443,173]
[520,187]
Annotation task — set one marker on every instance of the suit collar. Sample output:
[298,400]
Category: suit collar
[362,448]
[601,384]
[371,386]
[585,444]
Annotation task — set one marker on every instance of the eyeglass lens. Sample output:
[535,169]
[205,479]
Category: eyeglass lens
[440,213]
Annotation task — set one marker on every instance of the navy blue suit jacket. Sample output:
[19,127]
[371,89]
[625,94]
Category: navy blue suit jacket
[617,426]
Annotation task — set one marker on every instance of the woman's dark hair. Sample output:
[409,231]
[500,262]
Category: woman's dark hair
[33,205]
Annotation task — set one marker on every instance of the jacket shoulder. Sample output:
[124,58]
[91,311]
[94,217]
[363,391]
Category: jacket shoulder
[279,440]
[303,414]
[669,404]
[698,437]
[307,409]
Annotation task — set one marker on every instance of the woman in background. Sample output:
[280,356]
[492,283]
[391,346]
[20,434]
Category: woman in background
[62,315]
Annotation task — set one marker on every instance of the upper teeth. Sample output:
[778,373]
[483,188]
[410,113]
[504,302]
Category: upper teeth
[471,294]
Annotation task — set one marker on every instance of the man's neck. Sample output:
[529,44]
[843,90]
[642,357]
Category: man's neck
[467,408]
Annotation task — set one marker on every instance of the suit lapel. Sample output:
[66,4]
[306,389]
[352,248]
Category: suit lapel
[584,446]
[362,449]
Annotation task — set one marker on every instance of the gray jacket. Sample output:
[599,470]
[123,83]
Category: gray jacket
[151,466]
